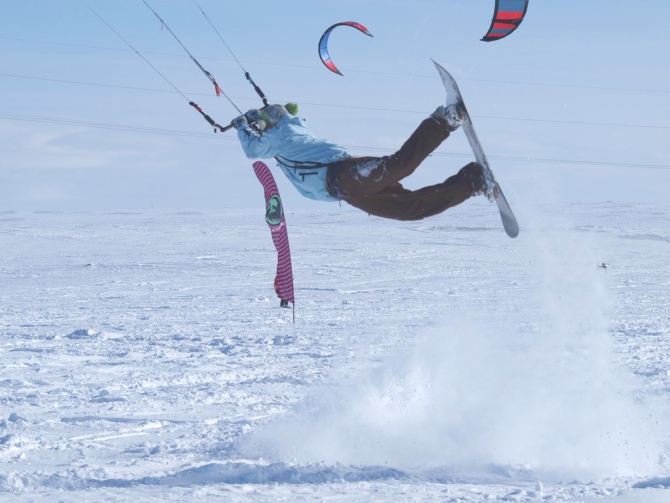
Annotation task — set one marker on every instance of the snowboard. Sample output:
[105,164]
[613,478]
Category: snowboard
[454,96]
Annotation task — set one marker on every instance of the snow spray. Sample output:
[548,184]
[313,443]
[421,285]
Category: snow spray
[489,389]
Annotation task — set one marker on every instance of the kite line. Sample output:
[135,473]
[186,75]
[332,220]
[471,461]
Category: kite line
[211,121]
[217,89]
[246,73]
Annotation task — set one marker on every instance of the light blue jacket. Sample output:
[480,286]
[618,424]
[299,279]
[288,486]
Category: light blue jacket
[302,158]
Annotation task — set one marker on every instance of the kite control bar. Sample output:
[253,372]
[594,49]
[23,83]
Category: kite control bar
[217,127]
[211,121]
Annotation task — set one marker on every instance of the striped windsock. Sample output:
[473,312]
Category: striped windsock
[274,216]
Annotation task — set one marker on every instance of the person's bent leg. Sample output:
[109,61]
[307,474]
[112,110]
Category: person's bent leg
[399,203]
[370,175]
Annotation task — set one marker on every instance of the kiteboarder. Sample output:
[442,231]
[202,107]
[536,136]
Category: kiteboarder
[325,171]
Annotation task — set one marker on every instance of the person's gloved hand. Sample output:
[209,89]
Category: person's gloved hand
[253,115]
[239,122]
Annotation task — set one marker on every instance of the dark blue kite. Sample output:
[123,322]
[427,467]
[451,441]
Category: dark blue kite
[506,18]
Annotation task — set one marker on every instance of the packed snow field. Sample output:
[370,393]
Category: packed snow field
[144,357]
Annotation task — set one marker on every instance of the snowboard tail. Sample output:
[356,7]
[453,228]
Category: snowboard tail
[454,96]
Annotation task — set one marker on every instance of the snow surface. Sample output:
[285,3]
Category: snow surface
[144,357]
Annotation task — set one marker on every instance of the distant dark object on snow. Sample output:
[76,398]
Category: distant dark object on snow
[603,265]
[83,333]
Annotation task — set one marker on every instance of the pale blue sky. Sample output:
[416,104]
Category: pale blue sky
[582,82]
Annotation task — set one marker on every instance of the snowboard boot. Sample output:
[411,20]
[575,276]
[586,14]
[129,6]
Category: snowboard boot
[481,184]
[492,192]
[452,114]
[489,189]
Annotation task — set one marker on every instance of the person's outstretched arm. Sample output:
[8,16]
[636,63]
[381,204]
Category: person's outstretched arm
[256,146]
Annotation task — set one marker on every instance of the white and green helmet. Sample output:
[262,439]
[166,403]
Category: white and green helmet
[272,114]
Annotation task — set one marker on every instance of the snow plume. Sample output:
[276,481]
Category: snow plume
[489,390]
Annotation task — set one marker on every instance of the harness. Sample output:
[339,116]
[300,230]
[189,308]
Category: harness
[331,174]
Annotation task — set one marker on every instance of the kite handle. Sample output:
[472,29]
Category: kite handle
[256,88]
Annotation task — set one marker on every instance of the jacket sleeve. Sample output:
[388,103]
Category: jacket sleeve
[257,146]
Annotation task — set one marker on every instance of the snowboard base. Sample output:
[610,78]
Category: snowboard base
[454,96]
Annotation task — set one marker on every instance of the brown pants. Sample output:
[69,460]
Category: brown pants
[372,184]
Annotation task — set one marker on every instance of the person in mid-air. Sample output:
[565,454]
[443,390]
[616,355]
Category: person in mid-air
[324,171]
